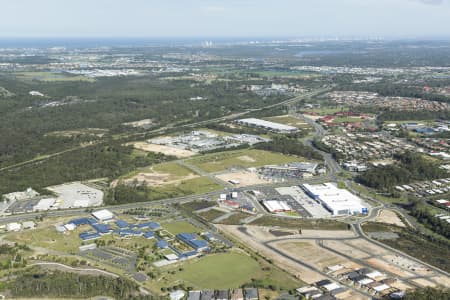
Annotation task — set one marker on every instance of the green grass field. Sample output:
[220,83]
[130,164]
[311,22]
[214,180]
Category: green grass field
[347,120]
[326,110]
[172,168]
[220,271]
[49,238]
[199,185]
[318,224]
[232,270]
[179,227]
[241,158]
[288,120]
[235,219]
[211,214]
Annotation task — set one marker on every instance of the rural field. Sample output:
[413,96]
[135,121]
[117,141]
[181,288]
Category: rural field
[289,120]
[232,270]
[166,150]
[245,178]
[160,174]
[217,162]
[179,227]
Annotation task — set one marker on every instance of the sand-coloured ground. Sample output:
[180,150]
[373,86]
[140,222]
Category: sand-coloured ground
[389,217]
[246,158]
[163,149]
[309,252]
[367,247]
[302,272]
[157,179]
[342,247]
[244,178]
[382,265]
[424,282]
[445,281]
[408,264]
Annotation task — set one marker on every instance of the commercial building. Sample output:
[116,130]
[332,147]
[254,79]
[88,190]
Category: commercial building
[192,240]
[103,215]
[275,206]
[337,201]
[267,125]
[251,294]
[44,204]
[13,226]
[194,295]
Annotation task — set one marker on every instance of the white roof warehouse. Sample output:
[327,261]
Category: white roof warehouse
[272,126]
[337,201]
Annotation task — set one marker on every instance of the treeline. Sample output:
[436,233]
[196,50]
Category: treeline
[322,147]
[289,145]
[106,104]
[95,161]
[428,218]
[411,166]
[59,284]
[428,293]
[389,115]
[136,192]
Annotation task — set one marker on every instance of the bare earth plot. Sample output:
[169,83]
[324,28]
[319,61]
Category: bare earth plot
[305,274]
[309,252]
[155,179]
[389,217]
[163,149]
[342,247]
[244,178]
[258,239]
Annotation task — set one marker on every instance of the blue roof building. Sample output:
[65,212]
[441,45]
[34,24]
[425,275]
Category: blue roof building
[83,221]
[191,240]
[122,224]
[189,254]
[102,228]
[128,232]
[186,236]
[151,225]
[162,244]
[85,236]
[149,235]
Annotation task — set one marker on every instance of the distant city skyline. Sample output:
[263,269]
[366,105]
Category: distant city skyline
[226,18]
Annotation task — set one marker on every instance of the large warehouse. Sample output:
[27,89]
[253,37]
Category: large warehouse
[275,206]
[337,201]
[263,124]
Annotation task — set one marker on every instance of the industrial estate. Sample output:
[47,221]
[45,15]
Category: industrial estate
[225,171]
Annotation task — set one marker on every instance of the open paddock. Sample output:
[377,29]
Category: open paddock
[245,178]
[166,150]
[389,217]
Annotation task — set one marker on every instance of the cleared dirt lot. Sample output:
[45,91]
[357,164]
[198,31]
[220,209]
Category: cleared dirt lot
[342,247]
[367,247]
[309,252]
[244,178]
[163,149]
[155,179]
[389,217]
[382,265]
[305,274]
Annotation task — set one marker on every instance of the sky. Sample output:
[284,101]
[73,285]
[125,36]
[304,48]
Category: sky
[224,18]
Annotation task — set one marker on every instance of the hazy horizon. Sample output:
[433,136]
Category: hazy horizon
[203,19]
